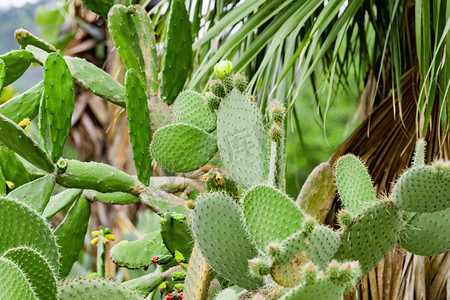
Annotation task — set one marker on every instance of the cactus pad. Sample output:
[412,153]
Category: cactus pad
[19,141]
[318,192]
[427,234]
[59,101]
[95,289]
[97,176]
[132,32]
[12,168]
[227,294]
[322,289]
[13,283]
[138,254]
[177,54]
[270,215]
[36,269]
[100,7]
[138,125]
[191,108]
[182,147]
[60,201]
[199,275]
[177,234]
[373,233]
[71,233]
[96,80]
[24,38]
[25,105]
[17,62]
[29,230]
[353,183]
[145,284]
[36,193]
[422,189]
[319,247]
[224,241]
[242,140]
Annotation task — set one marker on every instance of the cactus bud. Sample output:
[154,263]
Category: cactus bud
[105,240]
[162,287]
[240,82]
[217,88]
[179,287]
[309,224]
[95,233]
[274,250]
[184,266]
[110,237]
[24,123]
[93,275]
[258,267]
[178,276]
[94,241]
[333,270]
[223,69]
[228,83]
[212,100]
[162,259]
[178,256]
[61,166]
[168,297]
[190,204]
[277,112]
[276,133]
[345,218]
[349,272]
[10,184]
[309,272]
[180,296]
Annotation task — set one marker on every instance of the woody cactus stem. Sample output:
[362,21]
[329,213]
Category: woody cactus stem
[276,171]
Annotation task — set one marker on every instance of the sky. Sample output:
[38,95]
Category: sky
[17,3]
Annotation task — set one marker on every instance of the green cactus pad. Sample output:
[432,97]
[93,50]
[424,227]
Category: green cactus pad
[144,285]
[2,74]
[117,198]
[71,233]
[138,254]
[419,153]
[242,140]
[422,189]
[322,289]
[132,32]
[25,105]
[270,215]
[198,278]
[177,54]
[24,38]
[19,141]
[43,124]
[177,234]
[182,147]
[191,108]
[13,283]
[17,62]
[96,80]
[373,233]
[59,101]
[60,201]
[97,176]
[223,240]
[35,193]
[12,168]
[318,192]
[2,184]
[22,226]
[139,125]
[319,247]
[427,234]
[39,55]
[353,183]
[227,294]
[100,7]
[95,289]
[36,269]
